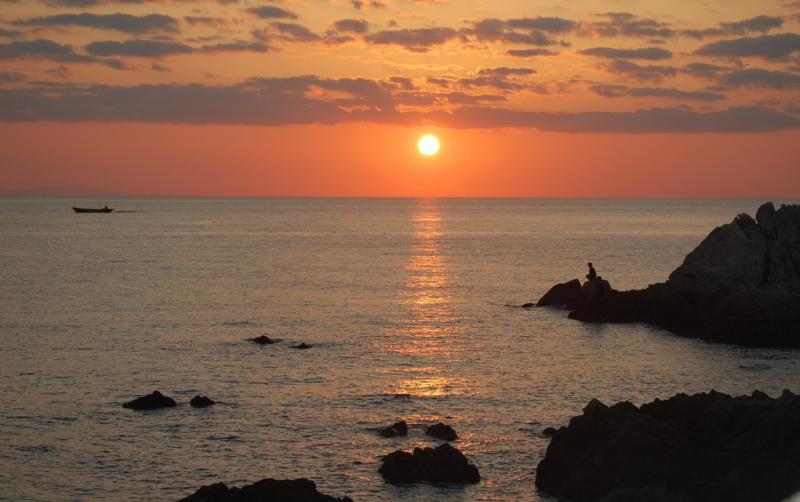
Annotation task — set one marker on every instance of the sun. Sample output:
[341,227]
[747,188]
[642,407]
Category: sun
[428,145]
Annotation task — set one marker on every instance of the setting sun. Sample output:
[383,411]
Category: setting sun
[428,145]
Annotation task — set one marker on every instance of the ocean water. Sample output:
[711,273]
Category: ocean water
[412,308]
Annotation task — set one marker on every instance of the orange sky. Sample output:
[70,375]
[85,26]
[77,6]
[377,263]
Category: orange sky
[328,97]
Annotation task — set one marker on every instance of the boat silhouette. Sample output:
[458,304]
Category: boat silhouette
[92,210]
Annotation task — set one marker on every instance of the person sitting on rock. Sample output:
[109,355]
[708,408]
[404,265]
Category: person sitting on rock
[592,275]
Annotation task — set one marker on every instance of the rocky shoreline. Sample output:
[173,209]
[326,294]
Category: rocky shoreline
[740,285]
[709,446]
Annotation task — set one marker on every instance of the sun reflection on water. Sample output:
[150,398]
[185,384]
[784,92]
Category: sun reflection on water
[430,331]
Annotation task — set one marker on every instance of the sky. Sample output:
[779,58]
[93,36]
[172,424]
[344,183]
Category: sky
[530,98]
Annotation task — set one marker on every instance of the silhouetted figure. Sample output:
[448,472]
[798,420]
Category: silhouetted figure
[592,275]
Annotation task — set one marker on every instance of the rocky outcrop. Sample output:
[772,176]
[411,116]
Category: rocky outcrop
[740,285]
[396,429]
[443,464]
[150,402]
[709,447]
[285,490]
[565,293]
[441,431]
[199,401]
[263,340]
[302,346]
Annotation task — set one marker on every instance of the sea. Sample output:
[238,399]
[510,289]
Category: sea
[413,309]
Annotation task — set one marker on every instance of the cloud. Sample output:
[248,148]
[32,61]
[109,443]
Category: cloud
[413,39]
[655,120]
[460,98]
[358,26]
[625,24]
[758,24]
[527,53]
[654,73]
[547,24]
[137,48]
[766,47]
[205,20]
[286,101]
[762,79]
[520,31]
[272,12]
[648,53]
[11,77]
[41,49]
[363,5]
[618,91]
[125,23]
[703,70]
[9,33]
[503,79]
[159,48]
[294,32]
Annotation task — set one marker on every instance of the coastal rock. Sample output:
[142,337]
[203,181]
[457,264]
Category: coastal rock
[441,431]
[549,432]
[199,401]
[740,285]
[284,490]
[396,429]
[263,340]
[150,402]
[710,447]
[443,464]
[302,346]
[565,293]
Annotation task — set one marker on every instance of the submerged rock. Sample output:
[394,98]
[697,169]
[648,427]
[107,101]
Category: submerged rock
[199,401]
[150,402]
[443,464]
[302,346]
[284,490]
[740,285]
[441,431]
[263,340]
[396,429]
[710,447]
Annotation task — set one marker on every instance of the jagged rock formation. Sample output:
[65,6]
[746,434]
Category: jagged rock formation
[441,431]
[740,285]
[399,428]
[285,490]
[705,447]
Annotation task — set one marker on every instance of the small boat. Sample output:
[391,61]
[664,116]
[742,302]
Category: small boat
[92,210]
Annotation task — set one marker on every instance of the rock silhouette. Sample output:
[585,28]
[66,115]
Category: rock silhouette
[740,285]
[150,402]
[284,490]
[302,346]
[441,431]
[566,293]
[396,429]
[199,401]
[263,340]
[710,447]
[443,464]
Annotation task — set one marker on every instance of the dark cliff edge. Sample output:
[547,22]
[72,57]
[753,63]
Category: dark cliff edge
[704,447]
[740,285]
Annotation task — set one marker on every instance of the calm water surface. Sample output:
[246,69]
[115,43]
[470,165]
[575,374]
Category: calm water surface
[405,301]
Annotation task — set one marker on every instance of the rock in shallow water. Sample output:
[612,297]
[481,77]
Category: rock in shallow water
[263,340]
[565,293]
[710,447]
[441,431]
[283,490]
[150,402]
[443,464]
[740,285]
[396,429]
[201,402]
